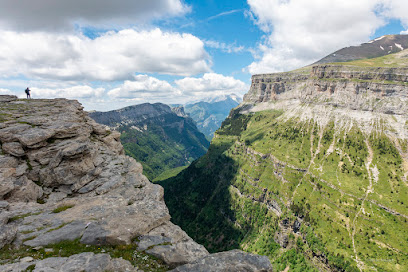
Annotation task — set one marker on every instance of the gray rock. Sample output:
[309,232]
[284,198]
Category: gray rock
[229,261]
[7,98]
[4,205]
[55,197]
[10,134]
[69,232]
[4,216]
[15,267]
[179,249]
[147,241]
[87,262]
[8,162]
[13,148]
[6,185]
[34,136]
[95,234]
[25,190]
[7,234]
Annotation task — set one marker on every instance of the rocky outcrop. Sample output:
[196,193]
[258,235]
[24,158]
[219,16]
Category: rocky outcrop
[234,260]
[65,177]
[179,111]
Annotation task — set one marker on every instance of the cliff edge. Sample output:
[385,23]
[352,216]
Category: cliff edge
[65,183]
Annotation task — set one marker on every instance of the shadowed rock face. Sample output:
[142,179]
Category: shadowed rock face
[65,177]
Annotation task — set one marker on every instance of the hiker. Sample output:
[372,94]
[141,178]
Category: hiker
[27,91]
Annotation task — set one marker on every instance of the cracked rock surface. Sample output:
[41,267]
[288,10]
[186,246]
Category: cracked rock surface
[65,177]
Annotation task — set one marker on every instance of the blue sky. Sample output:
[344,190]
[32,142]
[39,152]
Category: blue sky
[109,54]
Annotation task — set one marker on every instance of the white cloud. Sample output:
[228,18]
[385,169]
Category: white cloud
[211,84]
[397,9]
[300,32]
[227,48]
[6,91]
[74,92]
[112,56]
[82,92]
[143,86]
[62,14]
[150,89]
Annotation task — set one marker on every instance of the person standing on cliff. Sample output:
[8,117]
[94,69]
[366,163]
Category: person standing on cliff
[27,91]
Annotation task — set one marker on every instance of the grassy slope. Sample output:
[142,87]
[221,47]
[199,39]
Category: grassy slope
[170,173]
[319,175]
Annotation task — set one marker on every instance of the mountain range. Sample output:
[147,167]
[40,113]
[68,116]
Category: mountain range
[209,113]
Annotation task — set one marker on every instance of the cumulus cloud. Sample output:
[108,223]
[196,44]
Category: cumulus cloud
[6,91]
[62,14]
[211,84]
[300,32]
[112,56]
[397,9]
[227,48]
[83,92]
[74,92]
[143,86]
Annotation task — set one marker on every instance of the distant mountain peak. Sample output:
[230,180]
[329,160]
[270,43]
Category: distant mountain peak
[222,97]
[378,47]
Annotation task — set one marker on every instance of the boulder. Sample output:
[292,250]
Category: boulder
[171,244]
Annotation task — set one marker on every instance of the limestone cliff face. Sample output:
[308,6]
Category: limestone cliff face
[381,90]
[370,89]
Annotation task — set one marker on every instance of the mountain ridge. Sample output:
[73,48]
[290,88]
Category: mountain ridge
[209,114]
[378,47]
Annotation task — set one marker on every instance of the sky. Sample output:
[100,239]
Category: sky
[110,54]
